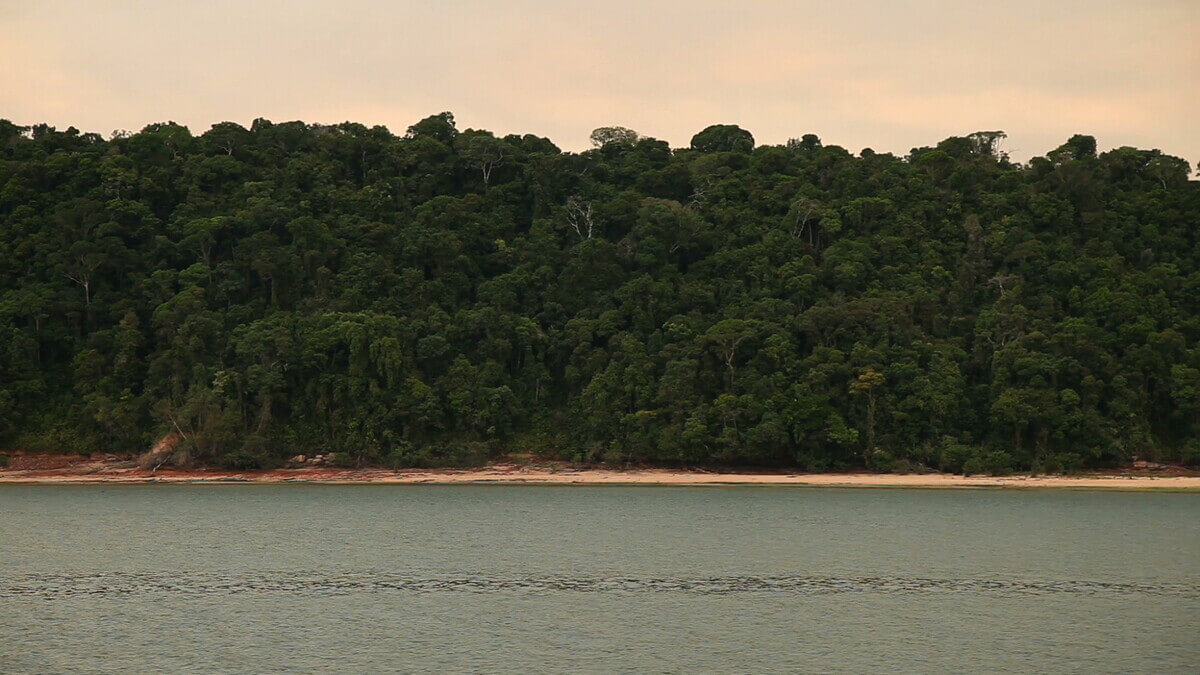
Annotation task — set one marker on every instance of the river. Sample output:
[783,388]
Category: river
[368,578]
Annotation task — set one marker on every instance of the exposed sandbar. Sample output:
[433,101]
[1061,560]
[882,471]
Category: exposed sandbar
[514,474]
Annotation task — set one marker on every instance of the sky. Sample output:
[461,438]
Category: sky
[889,75]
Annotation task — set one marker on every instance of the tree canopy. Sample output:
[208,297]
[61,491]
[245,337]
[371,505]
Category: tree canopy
[436,297]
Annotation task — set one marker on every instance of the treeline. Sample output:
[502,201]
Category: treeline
[437,297]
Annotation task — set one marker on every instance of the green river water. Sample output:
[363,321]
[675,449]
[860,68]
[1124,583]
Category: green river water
[370,578]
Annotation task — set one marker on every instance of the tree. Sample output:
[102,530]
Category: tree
[723,138]
[805,142]
[727,335]
[80,266]
[867,384]
[987,142]
[226,137]
[609,135]
[439,127]
[580,216]
[430,298]
[485,153]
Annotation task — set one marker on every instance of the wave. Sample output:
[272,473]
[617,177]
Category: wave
[51,586]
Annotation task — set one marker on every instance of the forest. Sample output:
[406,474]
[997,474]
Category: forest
[446,296]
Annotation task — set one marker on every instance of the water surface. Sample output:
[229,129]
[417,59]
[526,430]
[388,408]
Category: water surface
[269,578]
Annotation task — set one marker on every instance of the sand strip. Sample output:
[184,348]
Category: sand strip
[536,476]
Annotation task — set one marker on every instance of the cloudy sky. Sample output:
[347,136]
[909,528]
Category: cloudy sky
[889,75]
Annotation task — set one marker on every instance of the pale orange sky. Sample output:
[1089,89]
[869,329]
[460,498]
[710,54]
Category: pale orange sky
[886,75]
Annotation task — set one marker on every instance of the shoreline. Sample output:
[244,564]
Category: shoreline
[522,475]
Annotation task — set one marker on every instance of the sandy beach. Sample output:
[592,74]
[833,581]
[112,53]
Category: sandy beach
[83,472]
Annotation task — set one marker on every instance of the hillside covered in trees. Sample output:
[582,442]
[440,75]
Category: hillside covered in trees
[437,297]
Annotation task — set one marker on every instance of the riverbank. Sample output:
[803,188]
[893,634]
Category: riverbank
[514,474]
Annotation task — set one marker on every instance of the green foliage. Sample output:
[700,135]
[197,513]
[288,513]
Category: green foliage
[438,454]
[433,298]
[1191,453]
[723,138]
[991,462]
[603,136]
[246,460]
[342,460]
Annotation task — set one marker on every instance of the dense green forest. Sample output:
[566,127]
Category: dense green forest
[447,295]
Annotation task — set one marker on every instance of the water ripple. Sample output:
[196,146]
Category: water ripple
[101,584]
